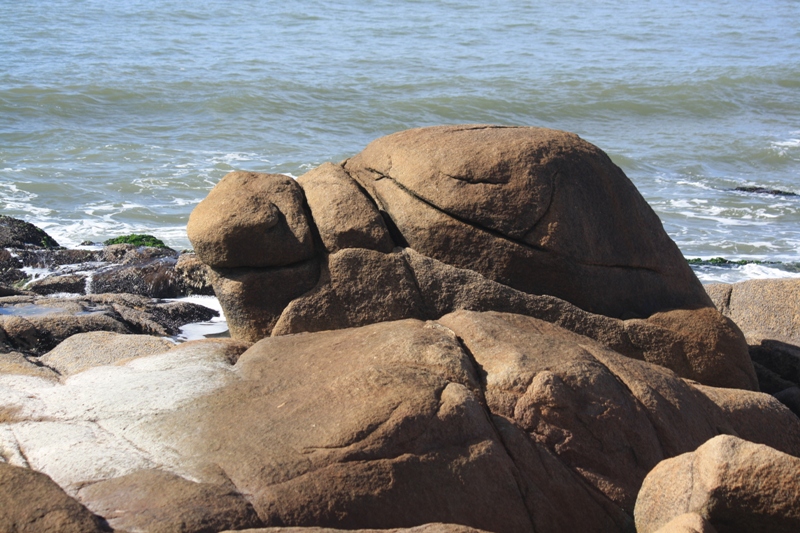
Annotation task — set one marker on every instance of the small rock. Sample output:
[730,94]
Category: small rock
[733,484]
[30,502]
[15,233]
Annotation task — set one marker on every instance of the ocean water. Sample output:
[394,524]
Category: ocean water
[119,116]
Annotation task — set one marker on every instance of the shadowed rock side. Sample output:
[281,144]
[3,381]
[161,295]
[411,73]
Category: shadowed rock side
[482,248]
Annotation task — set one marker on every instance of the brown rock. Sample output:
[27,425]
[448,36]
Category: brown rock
[700,344]
[86,350]
[343,213]
[608,417]
[160,502]
[30,502]
[734,484]
[751,414]
[505,201]
[687,523]
[762,308]
[16,363]
[375,427]
[253,299]
[251,220]
[357,287]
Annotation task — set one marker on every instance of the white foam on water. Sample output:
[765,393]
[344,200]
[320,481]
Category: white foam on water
[202,330]
[737,273]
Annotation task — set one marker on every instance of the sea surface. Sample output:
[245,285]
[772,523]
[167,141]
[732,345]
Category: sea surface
[120,116]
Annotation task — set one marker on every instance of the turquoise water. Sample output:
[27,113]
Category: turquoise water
[118,117]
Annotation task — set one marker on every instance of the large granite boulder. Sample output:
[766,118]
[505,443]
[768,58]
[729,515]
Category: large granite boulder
[429,221]
[495,421]
[539,210]
[251,220]
[735,485]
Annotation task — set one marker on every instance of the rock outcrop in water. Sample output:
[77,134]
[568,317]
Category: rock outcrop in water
[486,345]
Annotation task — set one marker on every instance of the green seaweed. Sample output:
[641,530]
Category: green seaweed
[137,240]
[717,261]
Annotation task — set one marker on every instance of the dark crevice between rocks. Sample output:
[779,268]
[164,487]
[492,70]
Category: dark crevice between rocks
[363,190]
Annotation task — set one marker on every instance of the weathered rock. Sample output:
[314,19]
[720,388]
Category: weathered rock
[510,425]
[687,523]
[762,308]
[86,350]
[71,283]
[751,414]
[155,280]
[539,210]
[699,344]
[38,334]
[357,287]
[733,484]
[30,502]
[16,363]
[344,215]
[576,397]
[15,233]
[252,220]
[253,299]
[160,502]
[195,276]
[360,286]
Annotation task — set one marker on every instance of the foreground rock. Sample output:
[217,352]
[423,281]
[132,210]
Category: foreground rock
[733,484]
[429,221]
[495,421]
[31,503]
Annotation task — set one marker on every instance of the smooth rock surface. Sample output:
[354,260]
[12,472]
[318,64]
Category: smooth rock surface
[86,350]
[251,220]
[344,216]
[160,502]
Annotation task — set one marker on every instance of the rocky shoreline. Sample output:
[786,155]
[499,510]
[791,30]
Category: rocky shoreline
[464,328]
